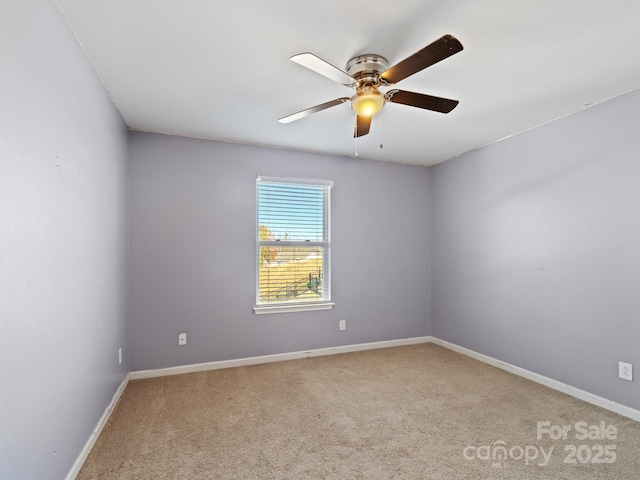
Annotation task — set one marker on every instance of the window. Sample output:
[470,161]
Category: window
[293,245]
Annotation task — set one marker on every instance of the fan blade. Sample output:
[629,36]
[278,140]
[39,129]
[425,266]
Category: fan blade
[442,48]
[318,65]
[309,111]
[362,126]
[420,100]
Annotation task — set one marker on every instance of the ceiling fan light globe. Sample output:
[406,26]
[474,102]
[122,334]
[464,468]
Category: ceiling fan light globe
[367,104]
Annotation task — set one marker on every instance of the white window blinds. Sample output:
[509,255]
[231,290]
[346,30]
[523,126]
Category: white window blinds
[293,241]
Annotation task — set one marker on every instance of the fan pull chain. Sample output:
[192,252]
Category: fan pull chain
[380,146]
[356,141]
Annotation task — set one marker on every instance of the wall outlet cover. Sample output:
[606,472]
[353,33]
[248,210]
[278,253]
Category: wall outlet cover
[625,371]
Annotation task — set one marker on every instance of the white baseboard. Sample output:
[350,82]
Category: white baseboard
[77,466]
[546,381]
[279,357]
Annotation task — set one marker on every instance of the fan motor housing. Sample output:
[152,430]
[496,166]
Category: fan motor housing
[367,68]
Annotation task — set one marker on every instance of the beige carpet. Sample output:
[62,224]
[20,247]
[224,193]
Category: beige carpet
[416,412]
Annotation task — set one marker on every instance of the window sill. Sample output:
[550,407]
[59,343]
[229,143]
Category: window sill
[302,307]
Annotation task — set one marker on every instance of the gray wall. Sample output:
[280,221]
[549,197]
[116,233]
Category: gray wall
[63,151]
[193,252]
[536,249]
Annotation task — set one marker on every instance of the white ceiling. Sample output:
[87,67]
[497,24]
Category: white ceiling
[220,69]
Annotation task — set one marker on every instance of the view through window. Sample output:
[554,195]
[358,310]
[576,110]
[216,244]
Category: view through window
[292,241]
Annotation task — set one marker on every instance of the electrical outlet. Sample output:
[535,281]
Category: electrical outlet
[182,339]
[625,371]
[119,356]
[343,324]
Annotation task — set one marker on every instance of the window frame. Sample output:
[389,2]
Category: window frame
[288,306]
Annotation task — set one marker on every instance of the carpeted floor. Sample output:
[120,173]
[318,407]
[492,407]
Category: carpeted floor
[415,412]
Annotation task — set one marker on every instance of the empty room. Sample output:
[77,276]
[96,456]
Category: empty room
[319,240]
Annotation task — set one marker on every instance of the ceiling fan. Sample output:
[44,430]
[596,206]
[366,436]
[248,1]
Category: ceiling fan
[367,73]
